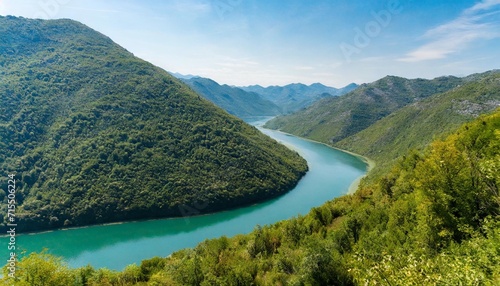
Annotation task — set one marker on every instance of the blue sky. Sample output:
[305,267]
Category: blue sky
[271,42]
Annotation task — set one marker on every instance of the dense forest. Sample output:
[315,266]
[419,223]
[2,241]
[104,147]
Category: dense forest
[433,219]
[415,126]
[94,135]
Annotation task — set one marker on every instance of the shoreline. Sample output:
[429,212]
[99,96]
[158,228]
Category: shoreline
[139,220]
[351,190]
[370,164]
[366,164]
[355,185]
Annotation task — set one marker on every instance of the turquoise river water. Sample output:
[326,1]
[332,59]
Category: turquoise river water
[114,246]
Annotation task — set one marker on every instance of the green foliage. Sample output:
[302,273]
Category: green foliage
[42,269]
[474,262]
[418,124]
[97,135]
[432,220]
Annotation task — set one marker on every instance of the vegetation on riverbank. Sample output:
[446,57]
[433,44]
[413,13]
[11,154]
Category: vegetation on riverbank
[88,128]
[432,220]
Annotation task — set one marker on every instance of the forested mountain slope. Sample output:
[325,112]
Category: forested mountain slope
[432,220]
[385,119]
[333,119]
[94,135]
[416,125]
[232,99]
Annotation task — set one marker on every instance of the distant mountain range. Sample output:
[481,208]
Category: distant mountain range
[182,76]
[335,118]
[294,97]
[234,100]
[256,100]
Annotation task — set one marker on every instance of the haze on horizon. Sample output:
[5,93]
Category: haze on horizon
[247,42]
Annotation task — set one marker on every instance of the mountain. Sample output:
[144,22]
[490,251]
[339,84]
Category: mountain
[335,118]
[234,100]
[384,119]
[182,76]
[95,135]
[416,125]
[431,220]
[296,96]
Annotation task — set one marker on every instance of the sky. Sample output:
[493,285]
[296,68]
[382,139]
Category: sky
[278,42]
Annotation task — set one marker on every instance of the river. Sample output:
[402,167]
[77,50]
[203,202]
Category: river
[114,246]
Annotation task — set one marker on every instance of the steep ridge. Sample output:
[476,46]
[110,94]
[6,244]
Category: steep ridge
[94,135]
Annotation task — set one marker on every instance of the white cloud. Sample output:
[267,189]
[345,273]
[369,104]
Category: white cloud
[483,5]
[472,25]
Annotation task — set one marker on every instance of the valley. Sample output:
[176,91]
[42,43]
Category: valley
[269,157]
[115,246]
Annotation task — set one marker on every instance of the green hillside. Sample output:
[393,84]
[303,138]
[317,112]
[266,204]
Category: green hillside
[232,99]
[416,125]
[332,119]
[432,220]
[94,135]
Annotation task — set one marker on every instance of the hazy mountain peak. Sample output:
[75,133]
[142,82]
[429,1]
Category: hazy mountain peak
[233,99]
[182,76]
